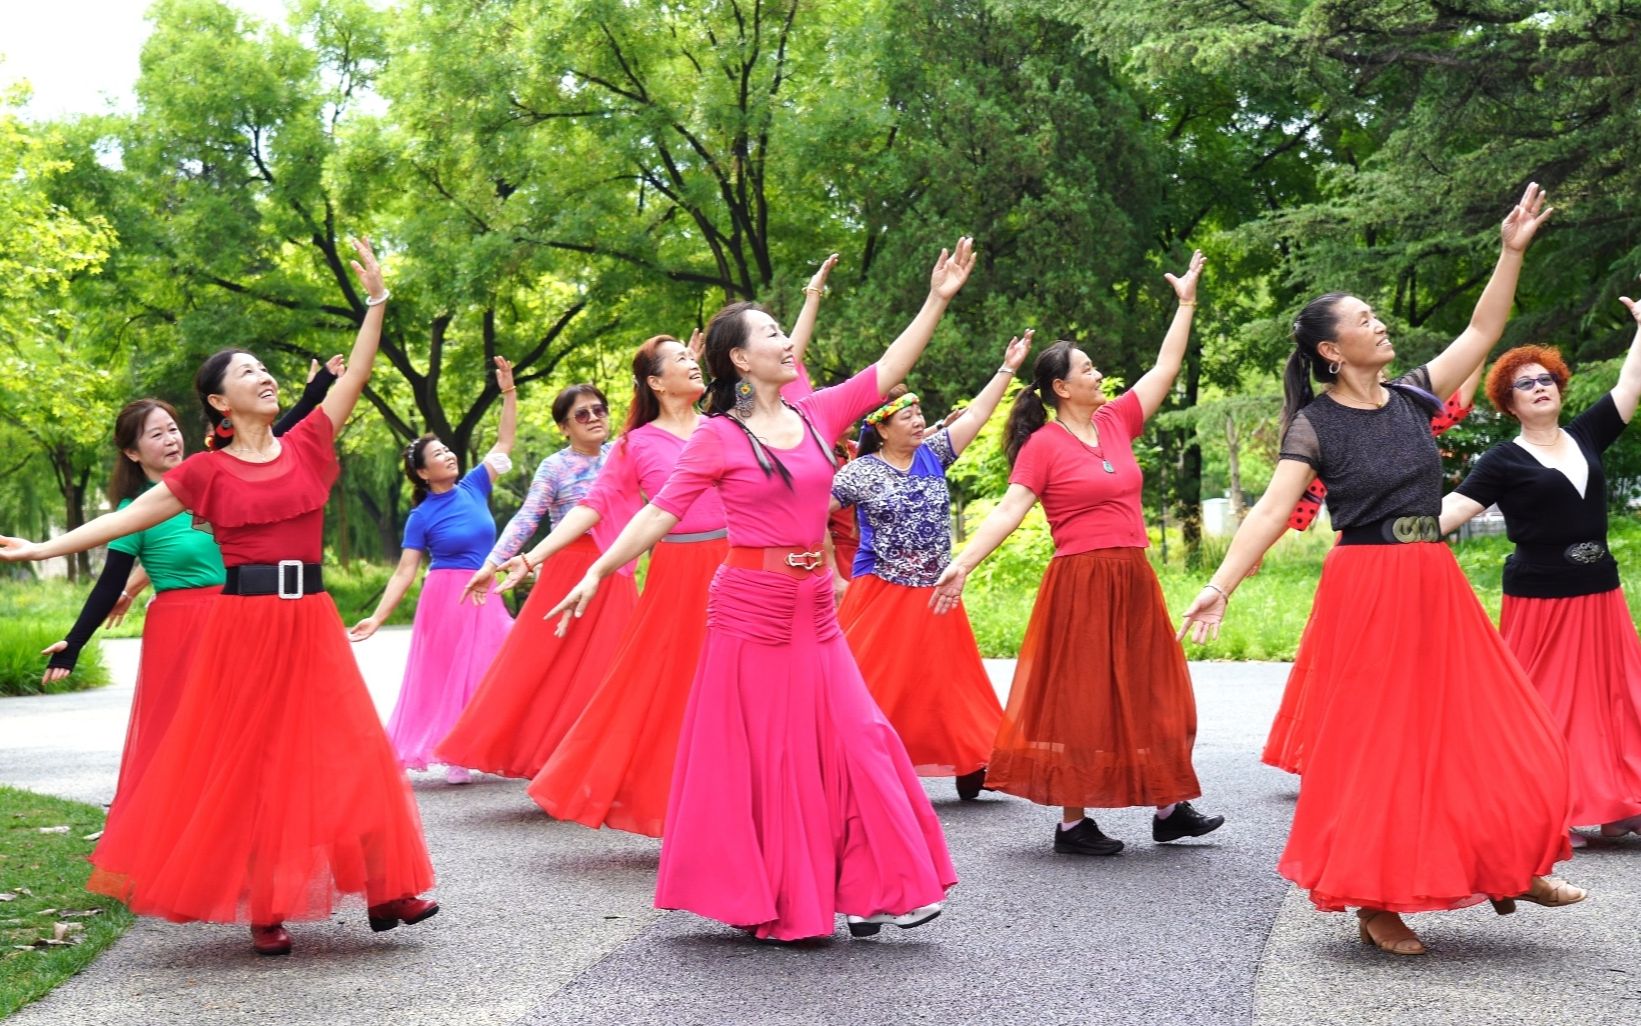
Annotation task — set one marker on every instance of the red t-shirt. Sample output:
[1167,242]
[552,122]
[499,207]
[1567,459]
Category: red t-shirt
[1088,508]
[264,512]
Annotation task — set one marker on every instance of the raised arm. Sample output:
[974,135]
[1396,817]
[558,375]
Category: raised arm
[344,396]
[1154,385]
[507,426]
[649,526]
[410,560]
[1628,390]
[1470,349]
[950,272]
[99,605]
[1260,529]
[967,424]
[803,331]
[149,508]
[320,379]
[998,525]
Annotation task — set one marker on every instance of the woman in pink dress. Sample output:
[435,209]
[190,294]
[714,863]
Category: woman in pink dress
[792,798]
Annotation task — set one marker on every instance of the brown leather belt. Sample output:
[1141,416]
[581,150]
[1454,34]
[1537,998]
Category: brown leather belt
[794,561]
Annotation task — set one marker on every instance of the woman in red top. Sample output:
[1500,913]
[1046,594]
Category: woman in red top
[1101,713]
[275,791]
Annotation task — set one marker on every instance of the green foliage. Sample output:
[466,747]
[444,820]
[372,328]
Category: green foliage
[34,615]
[43,877]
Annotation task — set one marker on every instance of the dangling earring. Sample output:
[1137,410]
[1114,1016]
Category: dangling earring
[744,398]
[1333,368]
[225,428]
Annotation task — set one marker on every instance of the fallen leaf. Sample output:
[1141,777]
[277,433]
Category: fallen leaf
[92,837]
[46,912]
[65,931]
[55,830]
[25,890]
[7,896]
[80,913]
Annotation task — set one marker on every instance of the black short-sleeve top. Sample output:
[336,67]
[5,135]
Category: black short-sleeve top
[1377,464]
[1544,514]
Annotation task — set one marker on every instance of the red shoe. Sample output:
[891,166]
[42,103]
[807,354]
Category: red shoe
[270,940]
[408,911]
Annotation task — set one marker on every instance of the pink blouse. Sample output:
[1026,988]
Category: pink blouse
[761,510]
[637,470]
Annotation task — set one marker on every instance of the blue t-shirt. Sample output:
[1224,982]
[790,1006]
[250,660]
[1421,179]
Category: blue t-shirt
[904,516]
[455,527]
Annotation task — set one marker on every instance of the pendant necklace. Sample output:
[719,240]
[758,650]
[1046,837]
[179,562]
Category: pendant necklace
[1105,464]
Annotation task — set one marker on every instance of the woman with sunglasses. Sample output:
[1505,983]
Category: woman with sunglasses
[924,670]
[538,682]
[452,643]
[1101,714]
[1564,613]
[1434,776]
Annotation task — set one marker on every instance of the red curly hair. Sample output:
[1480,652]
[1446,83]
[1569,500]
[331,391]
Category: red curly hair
[1508,368]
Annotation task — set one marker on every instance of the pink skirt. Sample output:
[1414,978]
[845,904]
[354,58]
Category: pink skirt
[451,646]
[1583,656]
[792,799]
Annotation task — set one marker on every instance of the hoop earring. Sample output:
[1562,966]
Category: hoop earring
[1333,368]
[745,397]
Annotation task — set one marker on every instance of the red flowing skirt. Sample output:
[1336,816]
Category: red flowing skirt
[1101,714]
[793,799]
[614,767]
[1583,656]
[275,792]
[1287,743]
[924,672]
[539,682]
[1434,775]
[171,631]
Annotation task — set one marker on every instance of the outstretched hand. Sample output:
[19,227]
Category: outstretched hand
[54,673]
[17,550]
[1203,617]
[504,373]
[696,345]
[367,270]
[514,572]
[1525,219]
[1185,285]
[573,604]
[952,269]
[948,589]
[1633,306]
[818,282]
[364,629]
[1014,354]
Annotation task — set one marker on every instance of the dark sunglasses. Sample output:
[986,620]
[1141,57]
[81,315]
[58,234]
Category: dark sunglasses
[588,414]
[1528,384]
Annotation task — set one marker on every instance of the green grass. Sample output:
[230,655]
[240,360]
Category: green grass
[44,875]
[21,662]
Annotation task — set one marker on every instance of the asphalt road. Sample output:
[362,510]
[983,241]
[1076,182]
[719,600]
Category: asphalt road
[548,923]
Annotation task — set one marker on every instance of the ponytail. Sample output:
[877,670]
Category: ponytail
[1314,325]
[219,430]
[726,332]
[1030,409]
[645,405]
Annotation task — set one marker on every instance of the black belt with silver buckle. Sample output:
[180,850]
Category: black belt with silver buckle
[1394,531]
[288,578]
[1584,553]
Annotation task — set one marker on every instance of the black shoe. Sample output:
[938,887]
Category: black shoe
[1085,839]
[969,785]
[1184,821]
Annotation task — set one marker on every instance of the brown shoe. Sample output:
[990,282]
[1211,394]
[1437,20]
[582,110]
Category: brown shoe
[270,940]
[1386,931]
[408,911]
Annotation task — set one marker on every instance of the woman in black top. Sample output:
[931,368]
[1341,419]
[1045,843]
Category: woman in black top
[1434,777]
[1564,615]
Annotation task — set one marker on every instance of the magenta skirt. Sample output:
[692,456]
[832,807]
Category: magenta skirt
[452,643]
[793,800]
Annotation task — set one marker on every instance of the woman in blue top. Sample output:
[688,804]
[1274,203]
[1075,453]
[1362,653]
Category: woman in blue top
[451,642]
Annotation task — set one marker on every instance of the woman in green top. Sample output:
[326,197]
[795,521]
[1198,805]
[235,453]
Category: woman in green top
[184,564]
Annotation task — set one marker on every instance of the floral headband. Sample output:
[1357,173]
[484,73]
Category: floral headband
[890,408]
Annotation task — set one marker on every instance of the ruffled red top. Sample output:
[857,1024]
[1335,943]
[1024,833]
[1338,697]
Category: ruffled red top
[264,512]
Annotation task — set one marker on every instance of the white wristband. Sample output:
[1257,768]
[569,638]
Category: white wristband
[378,300]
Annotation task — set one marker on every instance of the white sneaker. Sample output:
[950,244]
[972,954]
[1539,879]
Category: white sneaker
[457,775]
[868,926]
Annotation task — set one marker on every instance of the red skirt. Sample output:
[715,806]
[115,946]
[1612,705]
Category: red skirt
[1101,714]
[924,671]
[275,791]
[1583,656]
[1434,775]
[540,682]
[171,630]
[614,767]
[1285,747]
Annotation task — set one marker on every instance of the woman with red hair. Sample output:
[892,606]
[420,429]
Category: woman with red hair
[1564,614]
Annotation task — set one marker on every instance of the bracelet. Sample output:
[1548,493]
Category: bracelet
[813,291]
[1223,593]
[1191,305]
[509,391]
[378,300]
[125,595]
[1005,370]
[528,569]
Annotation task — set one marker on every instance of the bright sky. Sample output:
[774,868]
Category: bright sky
[80,56]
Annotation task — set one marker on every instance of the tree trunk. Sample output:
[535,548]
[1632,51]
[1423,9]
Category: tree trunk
[1233,451]
[1190,470]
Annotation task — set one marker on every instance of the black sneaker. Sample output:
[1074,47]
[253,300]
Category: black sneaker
[969,785]
[1184,821]
[1085,839]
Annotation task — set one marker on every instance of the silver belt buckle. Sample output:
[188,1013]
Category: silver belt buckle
[1585,552]
[809,560]
[279,579]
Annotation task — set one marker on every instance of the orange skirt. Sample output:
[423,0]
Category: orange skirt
[540,682]
[1101,714]
[614,767]
[924,671]
[274,793]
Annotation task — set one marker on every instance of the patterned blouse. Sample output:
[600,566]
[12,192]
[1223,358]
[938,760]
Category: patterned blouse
[560,482]
[904,515]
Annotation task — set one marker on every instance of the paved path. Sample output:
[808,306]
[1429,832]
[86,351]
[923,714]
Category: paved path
[549,923]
